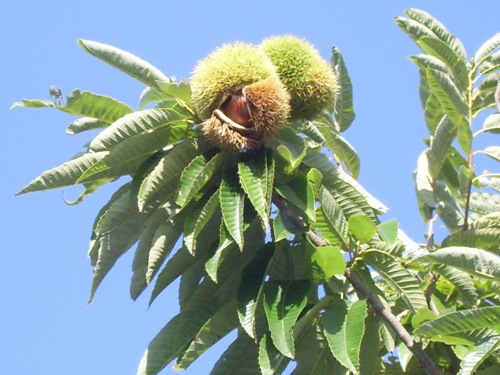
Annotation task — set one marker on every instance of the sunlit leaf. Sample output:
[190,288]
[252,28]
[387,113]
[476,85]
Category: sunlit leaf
[362,228]
[283,302]
[476,262]
[344,326]
[326,261]
[475,357]
[486,48]
[343,105]
[398,277]
[388,230]
[334,217]
[65,175]
[492,123]
[124,61]
[460,321]
[232,203]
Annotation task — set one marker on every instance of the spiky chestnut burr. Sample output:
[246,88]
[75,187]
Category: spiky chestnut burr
[309,79]
[236,89]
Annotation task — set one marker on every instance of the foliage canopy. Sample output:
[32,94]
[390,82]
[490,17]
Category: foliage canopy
[282,244]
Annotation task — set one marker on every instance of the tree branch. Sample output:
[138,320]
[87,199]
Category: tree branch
[423,359]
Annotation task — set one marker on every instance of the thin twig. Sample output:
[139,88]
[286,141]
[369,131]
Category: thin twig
[423,359]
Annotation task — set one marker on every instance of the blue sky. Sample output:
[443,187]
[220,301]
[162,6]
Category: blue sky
[46,326]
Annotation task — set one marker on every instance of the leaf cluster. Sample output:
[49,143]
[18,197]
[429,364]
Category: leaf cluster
[275,243]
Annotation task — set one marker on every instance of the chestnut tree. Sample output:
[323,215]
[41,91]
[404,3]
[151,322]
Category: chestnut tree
[240,183]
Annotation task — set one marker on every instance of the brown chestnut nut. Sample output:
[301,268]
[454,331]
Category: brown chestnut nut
[235,107]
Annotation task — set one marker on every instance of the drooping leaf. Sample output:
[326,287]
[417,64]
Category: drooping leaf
[314,356]
[239,358]
[196,175]
[398,277]
[197,218]
[269,357]
[217,327]
[438,151]
[35,103]
[485,203]
[65,175]
[369,357]
[232,203]
[124,61]
[254,176]
[283,302]
[343,105]
[250,291]
[493,152]
[171,165]
[344,327]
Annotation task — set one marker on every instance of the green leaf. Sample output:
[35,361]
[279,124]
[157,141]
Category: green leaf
[344,327]
[239,358]
[283,227]
[132,152]
[196,175]
[454,105]
[35,103]
[462,281]
[250,290]
[226,245]
[197,218]
[475,262]
[493,152]
[65,175]
[362,228]
[283,302]
[299,192]
[461,321]
[181,90]
[116,233]
[398,277]
[124,61]
[136,124]
[95,106]
[492,123]
[326,261]
[370,360]
[424,183]
[485,203]
[388,230]
[84,124]
[269,356]
[438,151]
[475,357]
[217,327]
[171,165]
[343,105]
[254,176]
[232,203]
[428,25]
[334,217]
[445,53]
[151,95]
[486,48]
[314,356]
[342,149]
